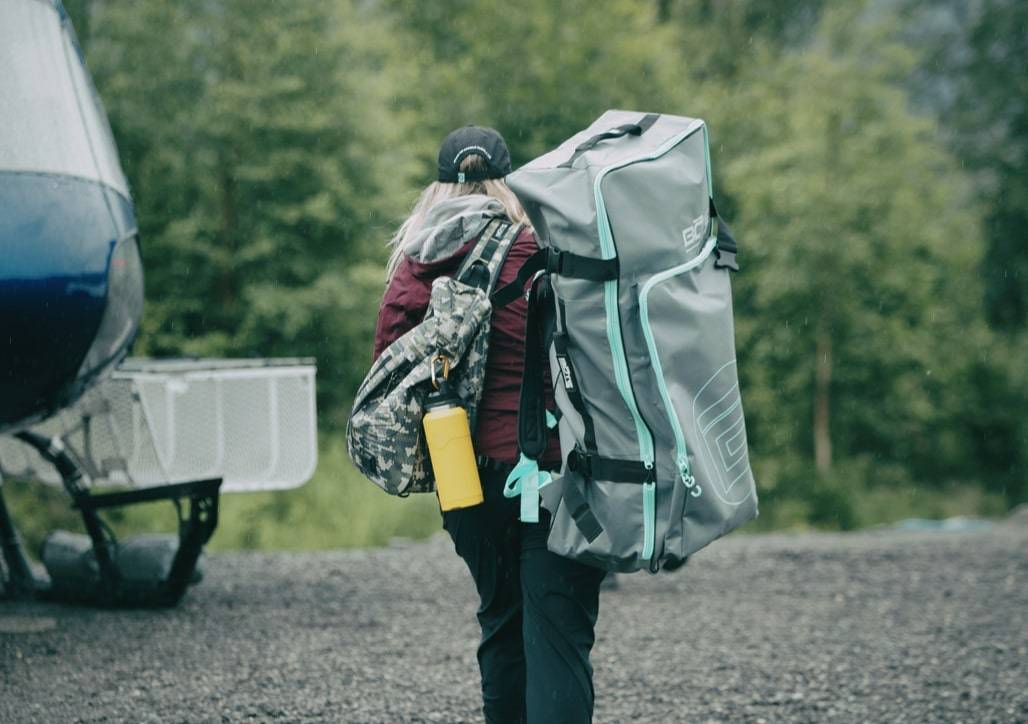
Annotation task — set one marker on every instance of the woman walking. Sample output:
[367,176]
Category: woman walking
[538,610]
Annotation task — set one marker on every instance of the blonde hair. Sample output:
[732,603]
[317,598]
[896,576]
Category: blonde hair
[440,191]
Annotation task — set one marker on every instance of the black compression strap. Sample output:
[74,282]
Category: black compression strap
[577,505]
[583,267]
[509,292]
[555,262]
[613,470]
[726,246]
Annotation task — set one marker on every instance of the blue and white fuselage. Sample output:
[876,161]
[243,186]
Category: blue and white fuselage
[71,279]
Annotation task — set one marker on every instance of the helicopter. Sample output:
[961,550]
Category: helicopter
[75,410]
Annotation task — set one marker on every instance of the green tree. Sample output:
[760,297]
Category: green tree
[972,76]
[266,167]
[538,71]
[986,112]
[721,40]
[857,308]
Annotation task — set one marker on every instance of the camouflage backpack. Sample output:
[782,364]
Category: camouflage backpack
[384,433]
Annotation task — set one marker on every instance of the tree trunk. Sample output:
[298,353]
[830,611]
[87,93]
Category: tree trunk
[823,346]
[822,384]
[228,286]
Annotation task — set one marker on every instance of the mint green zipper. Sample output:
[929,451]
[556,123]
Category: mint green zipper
[681,451]
[617,347]
[614,338]
[610,296]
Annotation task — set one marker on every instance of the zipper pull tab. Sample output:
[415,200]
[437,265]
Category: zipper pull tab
[683,469]
[687,477]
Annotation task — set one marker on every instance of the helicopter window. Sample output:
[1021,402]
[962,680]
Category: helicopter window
[51,120]
[124,308]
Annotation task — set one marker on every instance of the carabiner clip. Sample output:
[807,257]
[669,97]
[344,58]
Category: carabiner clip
[445,372]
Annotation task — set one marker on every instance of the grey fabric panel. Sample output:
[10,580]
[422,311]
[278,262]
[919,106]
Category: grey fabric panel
[659,210]
[590,356]
[619,509]
[698,360]
[617,506]
[569,225]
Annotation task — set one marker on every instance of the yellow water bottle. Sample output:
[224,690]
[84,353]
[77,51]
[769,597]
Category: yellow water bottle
[448,435]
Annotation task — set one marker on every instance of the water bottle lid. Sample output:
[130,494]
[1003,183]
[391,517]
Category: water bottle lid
[443,397]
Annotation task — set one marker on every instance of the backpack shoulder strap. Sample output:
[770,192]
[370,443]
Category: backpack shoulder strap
[481,267]
[533,432]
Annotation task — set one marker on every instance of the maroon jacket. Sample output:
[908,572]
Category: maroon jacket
[403,307]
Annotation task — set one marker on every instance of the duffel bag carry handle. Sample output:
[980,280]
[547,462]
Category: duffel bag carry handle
[628,129]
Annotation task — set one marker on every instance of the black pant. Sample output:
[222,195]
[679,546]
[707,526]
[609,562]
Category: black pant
[537,612]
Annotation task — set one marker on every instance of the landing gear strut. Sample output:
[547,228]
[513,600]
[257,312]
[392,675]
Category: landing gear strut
[143,571]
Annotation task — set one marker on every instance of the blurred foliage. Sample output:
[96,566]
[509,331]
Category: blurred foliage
[266,166]
[862,258]
[538,71]
[871,156]
[973,76]
[338,508]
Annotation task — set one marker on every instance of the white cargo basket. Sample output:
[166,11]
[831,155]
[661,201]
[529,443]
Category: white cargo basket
[250,422]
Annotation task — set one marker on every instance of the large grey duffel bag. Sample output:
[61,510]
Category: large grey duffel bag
[633,307]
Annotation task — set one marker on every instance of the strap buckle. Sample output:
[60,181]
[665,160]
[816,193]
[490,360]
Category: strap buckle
[553,259]
[726,247]
[725,259]
[579,463]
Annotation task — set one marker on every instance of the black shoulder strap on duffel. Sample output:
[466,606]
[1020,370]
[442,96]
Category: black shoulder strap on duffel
[533,434]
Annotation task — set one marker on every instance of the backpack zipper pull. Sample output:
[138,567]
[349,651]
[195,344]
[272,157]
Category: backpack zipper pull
[687,477]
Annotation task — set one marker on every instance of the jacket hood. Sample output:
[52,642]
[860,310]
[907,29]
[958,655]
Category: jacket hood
[449,226]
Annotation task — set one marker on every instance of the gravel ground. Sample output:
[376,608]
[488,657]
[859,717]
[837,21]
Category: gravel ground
[881,626]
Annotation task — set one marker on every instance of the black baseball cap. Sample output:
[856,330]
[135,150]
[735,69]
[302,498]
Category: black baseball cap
[473,140]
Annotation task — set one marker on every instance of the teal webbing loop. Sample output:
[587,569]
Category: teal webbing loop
[526,465]
[551,420]
[525,480]
[530,499]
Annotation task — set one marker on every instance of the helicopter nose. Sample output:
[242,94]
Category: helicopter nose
[64,306]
